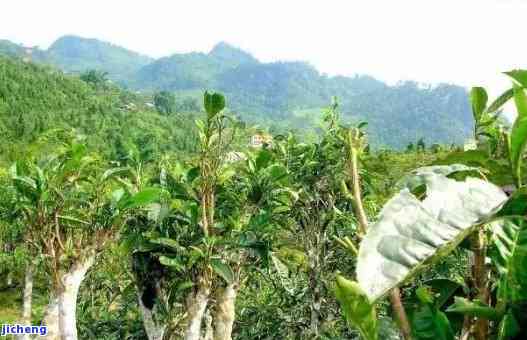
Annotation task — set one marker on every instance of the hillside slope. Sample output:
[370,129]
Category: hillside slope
[41,103]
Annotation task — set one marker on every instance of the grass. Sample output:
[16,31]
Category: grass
[11,305]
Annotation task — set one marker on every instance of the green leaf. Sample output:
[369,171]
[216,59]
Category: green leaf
[516,205]
[511,244]
[171,262]
[518,136]
[141,199]
[478,99]
[520,100]
[508,327]
[428,322]
[73,219]
[157,212]
[277,172]
[500,101]
[213,103]
[356,307]
[411,234]
[263,158]
[283,274]
[114,172]
[473,308]
[223,270]
[184,286]
[443,289]
[26,181]
[168,242]
[226,174]
[519,76]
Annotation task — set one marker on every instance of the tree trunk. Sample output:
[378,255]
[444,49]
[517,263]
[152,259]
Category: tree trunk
[209,332]
[398,308]
[314,289]
[196,305]
[225,312]
[28,293]
[154,330]
[60,316]
[51,318]
[360,213]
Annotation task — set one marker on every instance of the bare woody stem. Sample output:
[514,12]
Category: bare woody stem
[479,275]
[357,201]
[400,313]
[395,294]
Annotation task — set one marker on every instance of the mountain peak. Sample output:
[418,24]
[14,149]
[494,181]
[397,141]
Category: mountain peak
[228,52]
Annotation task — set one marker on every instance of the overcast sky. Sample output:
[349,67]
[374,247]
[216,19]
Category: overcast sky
[468,42]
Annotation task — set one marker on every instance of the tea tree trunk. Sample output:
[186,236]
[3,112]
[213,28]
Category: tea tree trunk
[225,312]
[196,306]
[27,299]
[60,315]
[154,330]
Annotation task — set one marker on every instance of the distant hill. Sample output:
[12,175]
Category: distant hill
[279,94]
[191,71]
[75,54]
[10,49]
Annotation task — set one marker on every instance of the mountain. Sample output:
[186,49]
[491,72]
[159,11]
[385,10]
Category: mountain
[230,55]
[191,71]
[76,54]
[280,95]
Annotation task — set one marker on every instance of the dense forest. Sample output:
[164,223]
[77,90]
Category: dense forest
[279,95]
[141,215]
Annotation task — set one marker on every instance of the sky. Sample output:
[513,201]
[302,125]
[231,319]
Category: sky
[466,42]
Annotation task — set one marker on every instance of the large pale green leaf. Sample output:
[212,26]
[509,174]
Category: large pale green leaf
[519,129]
[511,257]
[358,310]
[411,234]
[478,99]
[418,176]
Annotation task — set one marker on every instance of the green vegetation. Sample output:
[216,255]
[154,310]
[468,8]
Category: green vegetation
[130,215]
[272,94]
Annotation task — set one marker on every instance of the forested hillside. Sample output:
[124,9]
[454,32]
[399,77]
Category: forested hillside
[280,95]
[37,101]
